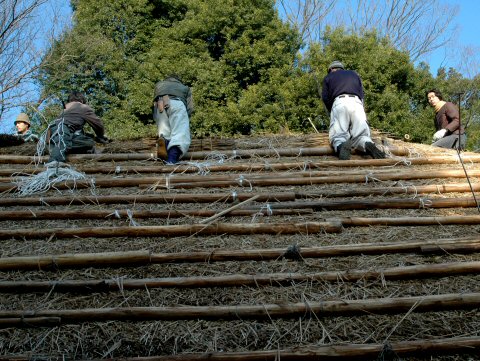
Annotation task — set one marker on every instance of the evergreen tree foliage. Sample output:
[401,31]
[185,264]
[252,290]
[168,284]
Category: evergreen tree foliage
[235,54]
[246,67]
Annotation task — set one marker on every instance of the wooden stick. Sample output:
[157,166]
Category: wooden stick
[175,230]
[426,347]
[241,280]
[228,210]
[141,214]
[146,198]
[430,303]
[205,182]
[131,258]
[410,221]
[253,167]
[398,203]
[408,189]
[282,152]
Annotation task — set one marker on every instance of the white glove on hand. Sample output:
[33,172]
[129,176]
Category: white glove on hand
[440,134]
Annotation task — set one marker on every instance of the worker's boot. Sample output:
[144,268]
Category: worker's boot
[344,150]
[372,149]
[174,154]
[161,145]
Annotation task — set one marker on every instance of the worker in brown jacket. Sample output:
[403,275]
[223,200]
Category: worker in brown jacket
[66,133]
[449,132]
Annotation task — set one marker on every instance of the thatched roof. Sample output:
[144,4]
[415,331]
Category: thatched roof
[252,248]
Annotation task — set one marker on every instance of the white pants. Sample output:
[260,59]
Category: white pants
[348,121]
[173,124]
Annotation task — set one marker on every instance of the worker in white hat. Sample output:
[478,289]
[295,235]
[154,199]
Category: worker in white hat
[22,123]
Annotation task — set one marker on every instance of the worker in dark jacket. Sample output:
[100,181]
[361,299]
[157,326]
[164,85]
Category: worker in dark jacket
[342,94]
[66,134]
[173,105]
[448,131]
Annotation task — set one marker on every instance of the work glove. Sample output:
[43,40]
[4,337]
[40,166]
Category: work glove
[439,134]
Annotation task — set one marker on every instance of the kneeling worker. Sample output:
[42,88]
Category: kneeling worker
[449,133]
[67,135]
[342,94]
[173,105]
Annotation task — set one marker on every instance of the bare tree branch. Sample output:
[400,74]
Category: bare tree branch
[417,27]
[26,30]
[307,16]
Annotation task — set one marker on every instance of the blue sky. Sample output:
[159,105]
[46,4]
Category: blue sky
[469,32]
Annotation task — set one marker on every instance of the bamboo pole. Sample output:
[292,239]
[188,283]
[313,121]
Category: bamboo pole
[175,230]
[398,203]
[410,221]
[408,189]
[131,258]
[373,351]
[126,214]
[241,280]
[429,303]
[282,152]
[254,167]
[168,182]
[141,214]
[146,198]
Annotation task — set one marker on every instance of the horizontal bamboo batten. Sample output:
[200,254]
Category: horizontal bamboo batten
[241,280]
[147,198]
[283,152]
[391,203]
[145,257]
[233,196]
[171,182]
[128,214]
[326,308]
[384,191]
[176,230]
[418,348]
[211,166]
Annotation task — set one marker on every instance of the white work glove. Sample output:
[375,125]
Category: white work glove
[440,134]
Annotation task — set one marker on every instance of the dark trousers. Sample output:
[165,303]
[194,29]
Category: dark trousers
[63,141]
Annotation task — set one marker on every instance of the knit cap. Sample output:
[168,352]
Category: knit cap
[335,64]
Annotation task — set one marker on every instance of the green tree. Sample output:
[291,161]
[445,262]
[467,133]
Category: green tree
[225,50]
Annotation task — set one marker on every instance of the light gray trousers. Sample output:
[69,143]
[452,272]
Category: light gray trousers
[349,121]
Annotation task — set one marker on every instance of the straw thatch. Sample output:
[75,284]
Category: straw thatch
[258,248]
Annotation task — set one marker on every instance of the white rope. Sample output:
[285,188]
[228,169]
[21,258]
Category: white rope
[202,167]
[242,178]
[370,176]
[43,181]
[403,161]
[116,213]
[167,181]
[212,159]
[41,145]
[266,207]
[425,203]
[217,157]
[130,218]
